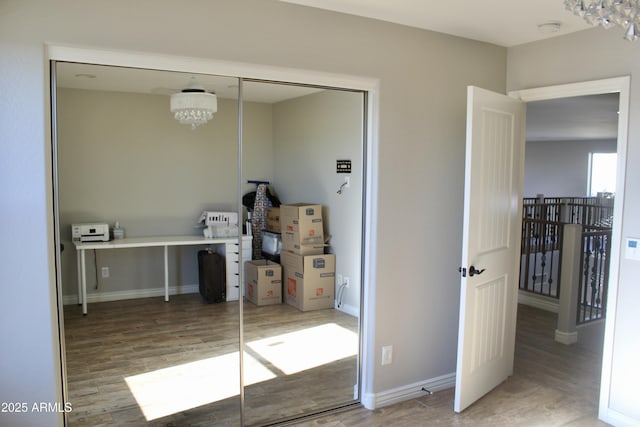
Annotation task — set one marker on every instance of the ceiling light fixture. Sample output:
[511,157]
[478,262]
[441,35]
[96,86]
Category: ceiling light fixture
[193,105]
[609,13]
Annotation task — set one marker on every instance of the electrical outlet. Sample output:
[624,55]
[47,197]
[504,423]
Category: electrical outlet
[387,355]
[347,182]
[105,272]
[346,282]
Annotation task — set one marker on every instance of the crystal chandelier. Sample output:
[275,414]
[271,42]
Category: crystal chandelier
[609,13]
[193,106]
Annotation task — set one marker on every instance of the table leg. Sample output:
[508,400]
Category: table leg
[79,276]
[84,282]
[166,274]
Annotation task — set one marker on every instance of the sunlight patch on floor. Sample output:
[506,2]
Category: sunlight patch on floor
[309,348]
[179,388]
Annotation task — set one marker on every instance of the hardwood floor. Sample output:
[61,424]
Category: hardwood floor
[552,385]
[128,348]
[138,360]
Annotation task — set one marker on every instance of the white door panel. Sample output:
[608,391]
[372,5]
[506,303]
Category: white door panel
[491,243]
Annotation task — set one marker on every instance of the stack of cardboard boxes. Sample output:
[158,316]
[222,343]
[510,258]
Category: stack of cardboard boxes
[305,277]
[308,273]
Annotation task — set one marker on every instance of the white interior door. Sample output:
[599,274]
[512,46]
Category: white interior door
[491,243]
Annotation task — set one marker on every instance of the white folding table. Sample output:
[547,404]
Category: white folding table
[143,242]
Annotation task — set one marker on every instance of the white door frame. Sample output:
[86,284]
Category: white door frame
[619,85]
[269,73]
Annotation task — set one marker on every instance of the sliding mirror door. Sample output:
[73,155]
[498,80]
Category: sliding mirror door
[301,328]
[122,157]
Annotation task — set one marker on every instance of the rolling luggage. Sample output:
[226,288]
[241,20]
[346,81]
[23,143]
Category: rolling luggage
[212,276]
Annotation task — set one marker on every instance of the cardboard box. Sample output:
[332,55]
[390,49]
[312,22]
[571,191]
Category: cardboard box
[290,245]
[309,281]
[302,232]
[273,220]
[263,282]
[301,210]
[303,221]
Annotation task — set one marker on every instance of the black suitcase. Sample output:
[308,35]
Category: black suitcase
[212,276]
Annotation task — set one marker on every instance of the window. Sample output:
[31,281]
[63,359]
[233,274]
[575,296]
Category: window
[602,173]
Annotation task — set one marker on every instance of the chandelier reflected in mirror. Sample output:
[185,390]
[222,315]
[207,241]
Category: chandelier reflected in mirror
[193,105]
[609,13]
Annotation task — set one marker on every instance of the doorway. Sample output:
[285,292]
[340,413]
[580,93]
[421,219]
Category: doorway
[357,309]
[618,85]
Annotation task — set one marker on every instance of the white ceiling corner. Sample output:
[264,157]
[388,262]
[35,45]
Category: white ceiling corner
[502,22]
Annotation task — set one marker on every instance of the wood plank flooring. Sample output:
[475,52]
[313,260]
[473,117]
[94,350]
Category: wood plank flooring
[552,385]
[177,363]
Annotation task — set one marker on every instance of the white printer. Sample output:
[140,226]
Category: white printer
[95,232]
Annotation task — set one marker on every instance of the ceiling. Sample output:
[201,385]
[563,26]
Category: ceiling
[593,117]
[157,82]
[502,22]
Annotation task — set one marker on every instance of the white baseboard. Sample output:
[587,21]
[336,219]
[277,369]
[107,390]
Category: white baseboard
[407,392]
[538,301]
[351,310]
[131,294]
[566,338]
[615,418]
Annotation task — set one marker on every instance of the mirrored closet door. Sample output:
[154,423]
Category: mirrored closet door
[122,157]
[301,339]
[146,346]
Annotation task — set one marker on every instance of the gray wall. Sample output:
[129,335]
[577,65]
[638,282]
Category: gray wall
[122,157]
[608,55]
[560,168]
[420,161]
[310,134]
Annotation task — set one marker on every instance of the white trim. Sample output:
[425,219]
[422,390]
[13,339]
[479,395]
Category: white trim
[131,294]
[538,301]
[593,87]
[617,419]
[60,52]
[612,85]
[566,338]
[349,309]
[369,242]
[408,392]
[198,65]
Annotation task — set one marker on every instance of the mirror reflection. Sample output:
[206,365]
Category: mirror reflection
[308,336]
[143,340]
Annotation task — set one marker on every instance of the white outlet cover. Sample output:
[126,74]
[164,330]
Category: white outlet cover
[387,355]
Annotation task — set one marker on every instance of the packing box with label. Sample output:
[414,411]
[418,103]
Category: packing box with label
[263,282]
[309,280]
[301,210]
[290,245]
[304,221]
[273,220]
[302,228]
